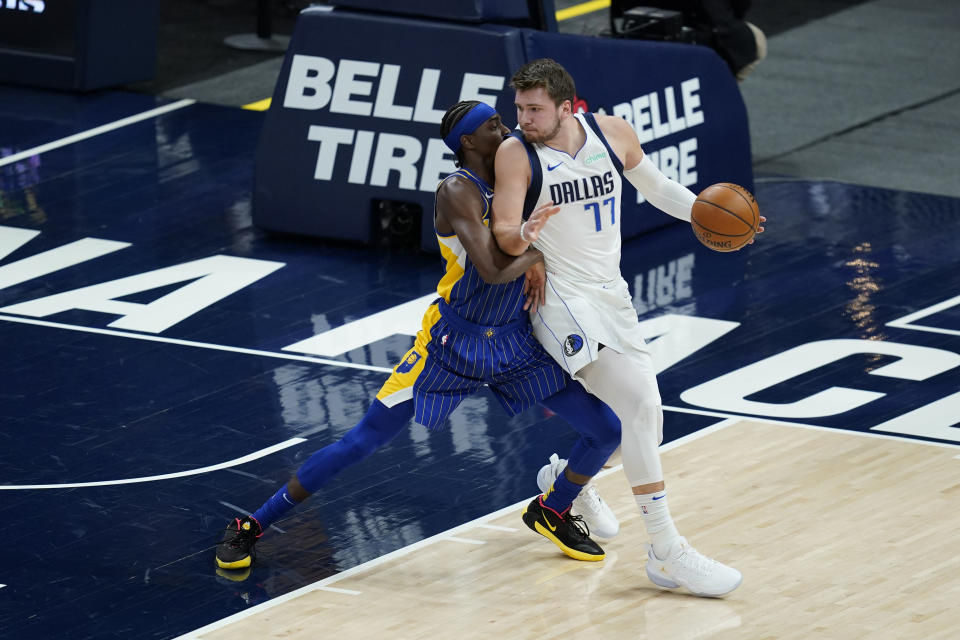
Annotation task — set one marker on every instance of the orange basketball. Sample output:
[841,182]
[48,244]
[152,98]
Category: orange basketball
[725,216]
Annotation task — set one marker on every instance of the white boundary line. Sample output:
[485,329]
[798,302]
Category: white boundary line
[179,474]
[89,133]
[191,343]
[349,592]
[464,540]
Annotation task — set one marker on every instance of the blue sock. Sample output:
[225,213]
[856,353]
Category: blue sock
[561,494]
[274,508]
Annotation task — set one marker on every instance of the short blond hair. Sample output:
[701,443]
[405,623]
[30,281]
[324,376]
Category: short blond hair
[547,74]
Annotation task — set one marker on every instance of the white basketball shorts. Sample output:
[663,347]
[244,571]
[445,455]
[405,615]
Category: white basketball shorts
[577,317]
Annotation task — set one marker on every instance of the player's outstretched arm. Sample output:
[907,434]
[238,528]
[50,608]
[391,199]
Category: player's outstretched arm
[662,192]
[460,206]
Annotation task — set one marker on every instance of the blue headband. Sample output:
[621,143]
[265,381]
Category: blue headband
[468,124]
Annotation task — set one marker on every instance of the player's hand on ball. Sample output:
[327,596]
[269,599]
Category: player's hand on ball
[759,229]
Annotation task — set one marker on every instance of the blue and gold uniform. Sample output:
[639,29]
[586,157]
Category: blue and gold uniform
[474,334]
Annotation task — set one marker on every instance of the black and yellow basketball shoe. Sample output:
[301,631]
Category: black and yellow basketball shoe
[235,550]
[566,531]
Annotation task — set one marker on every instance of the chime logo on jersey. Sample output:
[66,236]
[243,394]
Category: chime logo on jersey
[595,157]
[572,344]
[408,362]
[582,188]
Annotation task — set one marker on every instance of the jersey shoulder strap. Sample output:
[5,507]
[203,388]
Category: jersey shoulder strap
[592,123]
[536,175]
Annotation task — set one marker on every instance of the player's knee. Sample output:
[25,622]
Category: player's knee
[648,419]
[607,432]
[377,427]
[359,442]
[648,408]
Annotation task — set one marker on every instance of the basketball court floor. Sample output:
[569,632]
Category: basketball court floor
[166,365]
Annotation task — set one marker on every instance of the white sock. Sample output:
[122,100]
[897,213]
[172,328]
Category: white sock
[656,517]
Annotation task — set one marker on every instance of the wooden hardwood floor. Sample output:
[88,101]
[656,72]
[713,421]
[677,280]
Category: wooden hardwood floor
[838,535]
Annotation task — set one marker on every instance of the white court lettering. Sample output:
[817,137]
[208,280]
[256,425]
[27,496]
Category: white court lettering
[212,279]
[729,392]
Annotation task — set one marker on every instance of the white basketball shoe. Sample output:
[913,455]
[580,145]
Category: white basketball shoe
[684,566]
[596,513]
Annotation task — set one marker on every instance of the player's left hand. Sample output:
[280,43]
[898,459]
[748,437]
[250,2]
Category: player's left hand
[530,230]
[534,287]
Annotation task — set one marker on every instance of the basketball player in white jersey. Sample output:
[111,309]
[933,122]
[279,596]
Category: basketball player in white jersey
[587,321]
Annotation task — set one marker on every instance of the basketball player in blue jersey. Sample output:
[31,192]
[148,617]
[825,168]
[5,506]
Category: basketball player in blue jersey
[477,333]
[586,320]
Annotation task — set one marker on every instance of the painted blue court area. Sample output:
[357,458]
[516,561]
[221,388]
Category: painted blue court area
[142,411]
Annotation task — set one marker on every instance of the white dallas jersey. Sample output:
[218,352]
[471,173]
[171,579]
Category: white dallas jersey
[587,301]
[582,241]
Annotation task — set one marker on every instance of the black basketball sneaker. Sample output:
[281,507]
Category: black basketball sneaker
[568,532]
[235,550]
